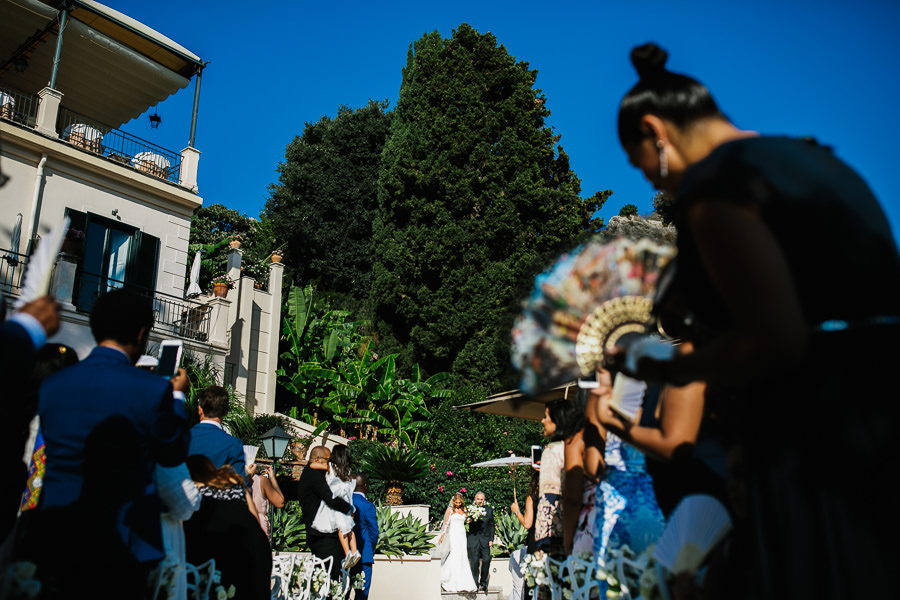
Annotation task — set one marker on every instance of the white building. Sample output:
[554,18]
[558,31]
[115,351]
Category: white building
[64,155]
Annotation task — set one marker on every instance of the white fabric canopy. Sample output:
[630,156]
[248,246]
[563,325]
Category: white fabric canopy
[194,286]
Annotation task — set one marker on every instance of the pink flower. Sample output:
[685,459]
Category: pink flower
[509,451]
[440,487]
[351,438]
[432,467]
[463,490]
[505,433]
[449,473]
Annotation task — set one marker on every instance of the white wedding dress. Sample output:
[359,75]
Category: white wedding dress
[456,573]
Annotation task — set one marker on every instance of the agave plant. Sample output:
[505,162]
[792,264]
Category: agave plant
[401,535]
[288,531]
[511,533]
[394,466]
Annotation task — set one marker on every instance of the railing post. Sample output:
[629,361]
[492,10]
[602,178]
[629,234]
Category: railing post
[48,110]
[190,162]
[218,321]
[64,284]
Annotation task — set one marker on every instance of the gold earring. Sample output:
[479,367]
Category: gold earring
[663,159]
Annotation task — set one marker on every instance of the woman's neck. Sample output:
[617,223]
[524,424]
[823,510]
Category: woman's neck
[697,141]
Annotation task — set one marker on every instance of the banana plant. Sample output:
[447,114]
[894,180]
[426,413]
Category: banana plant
[316,336]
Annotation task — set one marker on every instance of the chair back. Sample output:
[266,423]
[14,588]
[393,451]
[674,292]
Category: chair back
[200,579]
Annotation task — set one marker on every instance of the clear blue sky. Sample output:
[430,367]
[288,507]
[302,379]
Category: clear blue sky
[799,67]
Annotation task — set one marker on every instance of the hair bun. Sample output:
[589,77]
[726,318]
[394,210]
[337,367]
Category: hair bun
[649,60]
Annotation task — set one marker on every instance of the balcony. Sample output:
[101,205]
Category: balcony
[118,146]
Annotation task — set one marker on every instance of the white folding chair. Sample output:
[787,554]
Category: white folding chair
[282,571]
[200,579]
[577,569]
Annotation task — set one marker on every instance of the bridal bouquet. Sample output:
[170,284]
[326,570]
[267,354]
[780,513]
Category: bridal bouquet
[475,513]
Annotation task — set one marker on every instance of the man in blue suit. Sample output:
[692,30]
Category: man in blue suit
[106,424]
[209,438]
[366,531]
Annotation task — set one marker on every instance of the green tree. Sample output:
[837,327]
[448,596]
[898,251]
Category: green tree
[213,227]
[628,210]
[323,204]
[663,207]
[474,197]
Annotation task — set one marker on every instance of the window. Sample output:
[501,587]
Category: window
[115,255]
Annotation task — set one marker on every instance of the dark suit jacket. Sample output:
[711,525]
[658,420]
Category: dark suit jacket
[366,528]
[482,531]
[310,490]
[106,424]
[220,447]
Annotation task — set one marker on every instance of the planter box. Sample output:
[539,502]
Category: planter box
[419,577]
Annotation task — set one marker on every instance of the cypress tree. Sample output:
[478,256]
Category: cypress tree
[475,196]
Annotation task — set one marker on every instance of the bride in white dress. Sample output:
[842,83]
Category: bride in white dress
[456,573]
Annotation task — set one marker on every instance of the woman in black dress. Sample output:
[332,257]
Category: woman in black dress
[225,529]
[788,268]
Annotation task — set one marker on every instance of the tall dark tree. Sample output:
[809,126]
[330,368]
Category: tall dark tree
[474,197]
[324,202]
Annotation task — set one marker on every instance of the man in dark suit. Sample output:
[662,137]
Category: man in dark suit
[20,339]
[310,490]
[479,541]
[106,424]
[366,531]
[209,438]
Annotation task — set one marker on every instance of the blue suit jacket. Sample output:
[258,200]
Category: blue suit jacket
[220,447]
[106,424]
[366,528]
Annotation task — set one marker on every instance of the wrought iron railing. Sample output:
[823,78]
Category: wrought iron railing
[172,315]
[12,271]
[118,146]
[18,107]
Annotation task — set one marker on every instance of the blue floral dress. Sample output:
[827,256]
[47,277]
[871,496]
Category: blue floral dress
[626,510]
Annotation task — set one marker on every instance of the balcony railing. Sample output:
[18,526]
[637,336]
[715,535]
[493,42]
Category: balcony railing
[12,271]
[173,316]
[118,146]
[17,106]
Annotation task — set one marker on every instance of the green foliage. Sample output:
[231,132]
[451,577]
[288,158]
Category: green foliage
[474,198]
[467,437]
[663,207]
[336,382]
[510,532]
[401,535]
[288,531]
[394,464]
[323,204]
[213,227]
[628,210]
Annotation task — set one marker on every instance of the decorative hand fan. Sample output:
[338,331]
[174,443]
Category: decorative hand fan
[697,524]
[40,265]
[582,306]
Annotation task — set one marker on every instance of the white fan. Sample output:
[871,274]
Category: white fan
[40,265]
[695,527]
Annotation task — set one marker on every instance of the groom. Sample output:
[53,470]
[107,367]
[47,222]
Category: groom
[480,540]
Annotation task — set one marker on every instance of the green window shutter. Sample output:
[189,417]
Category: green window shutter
[144,260]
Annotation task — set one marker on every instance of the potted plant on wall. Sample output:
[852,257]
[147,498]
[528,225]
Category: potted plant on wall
[277,255]
[221,284]
[235,241]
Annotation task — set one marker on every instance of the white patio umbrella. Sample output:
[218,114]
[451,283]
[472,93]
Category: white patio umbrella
[12,256]
[194,285]
[507,461]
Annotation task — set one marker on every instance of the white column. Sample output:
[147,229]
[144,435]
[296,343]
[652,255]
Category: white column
[48,110]
[190,162]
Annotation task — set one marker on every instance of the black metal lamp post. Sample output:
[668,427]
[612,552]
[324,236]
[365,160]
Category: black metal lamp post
[275,441]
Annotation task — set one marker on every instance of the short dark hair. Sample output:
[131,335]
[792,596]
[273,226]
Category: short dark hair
[672,96]
[214,401]
[362,482]
[119,315]
[567,418]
